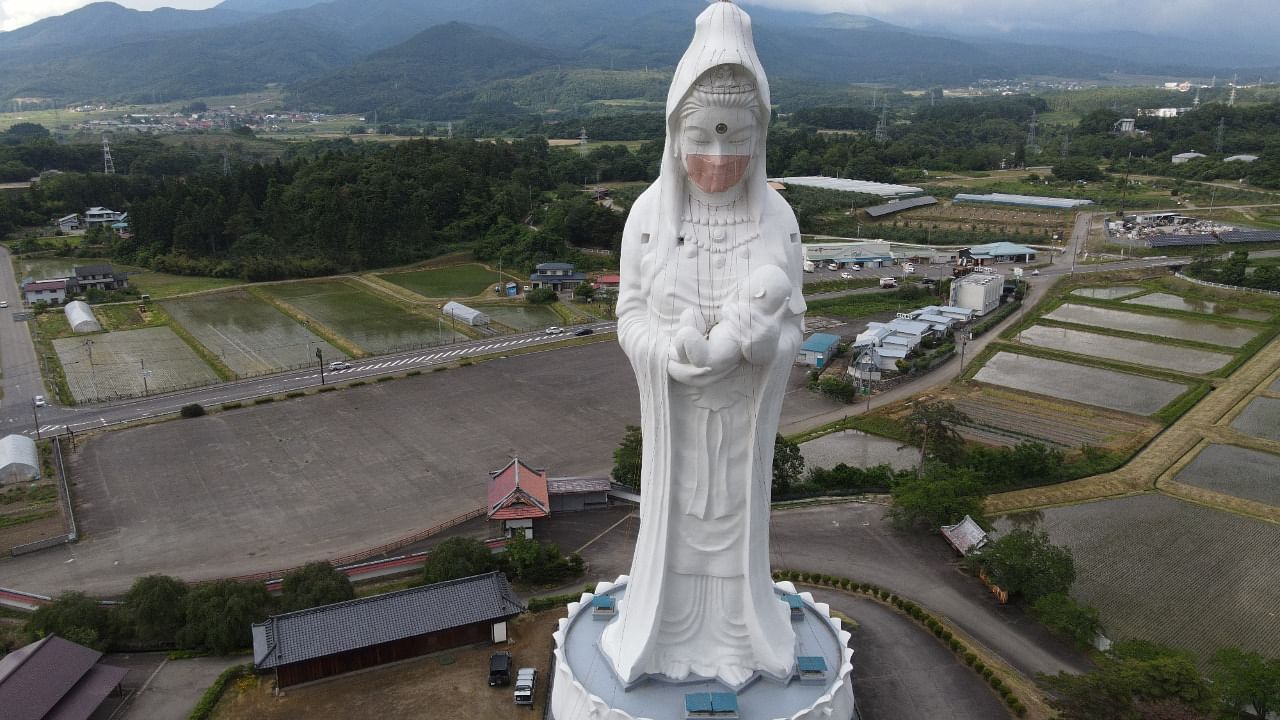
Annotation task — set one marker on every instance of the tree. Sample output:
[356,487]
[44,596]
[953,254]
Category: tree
[788,463]
[535,563]
[1246,680]
[541,296]
[1078,169]
[627,458]
[1063,615]
[937,496]
[932,427]
[74,616]
[458,557]
[1026,564]
[585,292]
[155,605]
[219,615]
[313,585]
[1134,681]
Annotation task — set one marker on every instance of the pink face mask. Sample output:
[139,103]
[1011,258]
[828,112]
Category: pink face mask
[716,173]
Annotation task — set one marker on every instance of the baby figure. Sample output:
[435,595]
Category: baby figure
[748,328]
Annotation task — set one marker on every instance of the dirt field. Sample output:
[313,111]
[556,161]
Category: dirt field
[29,513]
[451,685]
[1038,226]
[111,365]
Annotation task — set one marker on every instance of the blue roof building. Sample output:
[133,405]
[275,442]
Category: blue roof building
[818,350]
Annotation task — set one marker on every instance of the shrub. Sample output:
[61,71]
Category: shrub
[357,383]
[326,388]
[264,400]
[464,363]
[210,698]
[232,405]
[295,394]
[413,373]
[385,378]
[441,368]
[192,411]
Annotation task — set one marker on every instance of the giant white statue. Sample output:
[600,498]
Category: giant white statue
[710,315]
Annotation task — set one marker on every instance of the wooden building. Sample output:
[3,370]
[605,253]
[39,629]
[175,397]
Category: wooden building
[313,644]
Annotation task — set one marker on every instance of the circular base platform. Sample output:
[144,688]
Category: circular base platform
[585,687]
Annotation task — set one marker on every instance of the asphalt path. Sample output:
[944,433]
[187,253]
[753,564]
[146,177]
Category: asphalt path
[18,364]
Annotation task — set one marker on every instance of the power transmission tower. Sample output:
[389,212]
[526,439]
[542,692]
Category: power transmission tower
[108,166]
[1066,145]
[584,139]
[1217,139]
[226,163]
[882,127]
[1033,141]
[1231,102]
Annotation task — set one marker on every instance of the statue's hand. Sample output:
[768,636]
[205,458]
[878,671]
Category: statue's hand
[705,365]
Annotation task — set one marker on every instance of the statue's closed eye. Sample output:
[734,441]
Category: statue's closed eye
[722,129]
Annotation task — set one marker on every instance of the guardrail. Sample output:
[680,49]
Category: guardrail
[1220,286]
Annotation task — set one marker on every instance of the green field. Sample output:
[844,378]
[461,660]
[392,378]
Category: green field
[521,316]
[248,335]
[157,285]
[459,281]
[110,365]
[368,321]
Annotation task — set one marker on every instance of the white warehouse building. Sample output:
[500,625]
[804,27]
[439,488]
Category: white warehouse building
[979,292]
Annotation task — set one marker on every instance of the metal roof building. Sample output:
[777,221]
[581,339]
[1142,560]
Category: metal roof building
[312,644]
[1003,252]
[865,187]
[464,314]
[19,460]
[1187,157]
[1023,200]
[1241,158]
[54,678]
[80,317]
[900,205]
[965,536]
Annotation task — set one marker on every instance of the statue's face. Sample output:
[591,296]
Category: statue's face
[717,144]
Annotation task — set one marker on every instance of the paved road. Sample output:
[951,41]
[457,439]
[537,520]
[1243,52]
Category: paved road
[56,419]
[18,362]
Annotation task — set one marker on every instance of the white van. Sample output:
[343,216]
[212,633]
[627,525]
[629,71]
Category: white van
[526,680]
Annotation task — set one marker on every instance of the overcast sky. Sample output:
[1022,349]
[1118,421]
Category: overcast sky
[1220,18]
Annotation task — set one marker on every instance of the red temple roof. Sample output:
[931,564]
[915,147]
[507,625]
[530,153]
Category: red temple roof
[517,491]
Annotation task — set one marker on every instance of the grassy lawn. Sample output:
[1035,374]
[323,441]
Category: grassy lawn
[163,285]
[853,306]
[459,281]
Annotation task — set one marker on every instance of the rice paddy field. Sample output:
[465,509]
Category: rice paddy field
[110,365]
[1002,417]
[1079,383]
[1172,572]
[1214,333]
[458,281]
[1240,472]
[1261,419]
[1208,307]
[1107,293]
[157,285]
[1140,352]
[521,316]
[368,321]
[248,335]
[858,449]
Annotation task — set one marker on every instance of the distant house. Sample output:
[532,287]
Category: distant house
[53,292]
[309,645]
[1001,252]
[818,350]
[100,277]
[608,284]
[56,678]
[465,315]
[557,276]
[67,224]
[517,496]
[99,216]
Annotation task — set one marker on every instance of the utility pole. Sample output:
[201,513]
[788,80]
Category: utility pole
[35,413]
[145,390]
[320,359]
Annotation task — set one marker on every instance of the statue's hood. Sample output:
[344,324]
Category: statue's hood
[722,36]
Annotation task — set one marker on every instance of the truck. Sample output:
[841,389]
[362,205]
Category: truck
[809,266]
[526,681]
[500,669]
[888,282]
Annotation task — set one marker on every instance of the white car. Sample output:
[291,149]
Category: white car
[1035,272]
[908,268]
[554,330]
[4,303]
[846,275]
[339,365]
[39,401]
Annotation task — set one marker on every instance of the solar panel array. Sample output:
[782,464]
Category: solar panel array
[900,205]
[1159,241]
[1234,237]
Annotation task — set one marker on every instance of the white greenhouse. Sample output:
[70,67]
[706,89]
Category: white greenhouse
[19,460]
[80,317]
[464,314]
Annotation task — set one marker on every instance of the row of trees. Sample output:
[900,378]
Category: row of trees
[164,612]
[525,561]
[1236,270]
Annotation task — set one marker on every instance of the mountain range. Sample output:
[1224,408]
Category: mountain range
[394,53]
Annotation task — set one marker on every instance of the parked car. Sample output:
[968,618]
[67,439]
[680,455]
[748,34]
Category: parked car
[846,275]
[339,365]
[526,684]
[4,303]
[888,282]
[928,282]
[583,331]
[1035,272]
[39,401]
[908,268]
[554,330]
[500,669]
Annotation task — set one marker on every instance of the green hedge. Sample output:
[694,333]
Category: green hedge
[209,700]
[539,604]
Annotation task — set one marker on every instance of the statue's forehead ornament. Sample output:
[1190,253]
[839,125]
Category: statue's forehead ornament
[726,80]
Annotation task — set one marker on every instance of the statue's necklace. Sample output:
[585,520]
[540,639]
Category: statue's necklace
[717,229]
